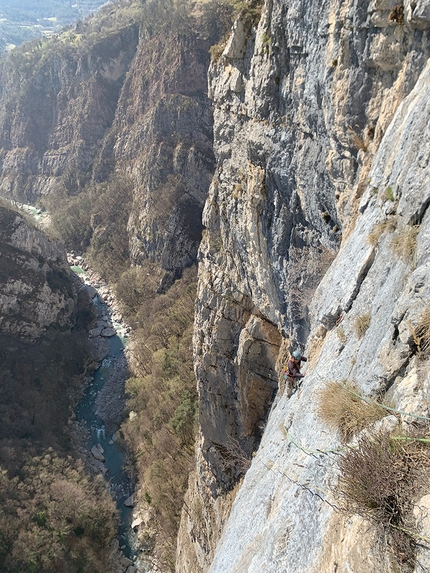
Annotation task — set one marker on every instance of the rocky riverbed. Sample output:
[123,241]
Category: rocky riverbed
[99,415]
[110,400]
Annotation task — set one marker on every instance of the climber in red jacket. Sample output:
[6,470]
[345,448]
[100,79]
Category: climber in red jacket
[292,370]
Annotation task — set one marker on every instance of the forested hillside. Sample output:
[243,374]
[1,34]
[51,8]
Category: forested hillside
[54,516]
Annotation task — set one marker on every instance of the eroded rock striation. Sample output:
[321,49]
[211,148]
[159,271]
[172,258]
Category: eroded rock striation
[320,135]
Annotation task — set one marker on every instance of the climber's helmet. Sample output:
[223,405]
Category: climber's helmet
[297,355]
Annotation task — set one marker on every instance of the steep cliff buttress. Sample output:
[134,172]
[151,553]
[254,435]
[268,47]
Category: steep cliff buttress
[36,290]
[303,102]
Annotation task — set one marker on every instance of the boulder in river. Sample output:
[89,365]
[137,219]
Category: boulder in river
[107,332]
[94,332]
[95,451]
[129,502]
[91,291]
[136,522]
[100,348]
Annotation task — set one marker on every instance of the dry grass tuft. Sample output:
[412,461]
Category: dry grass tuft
[405,242]
[341,334]
[397,14]
[341,409]
[357,140]
[422,333]
[234,458]
[216,50]
[388,225]
[237,190]
[380,479]
[361,324]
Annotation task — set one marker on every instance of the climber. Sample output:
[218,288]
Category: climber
[292,370]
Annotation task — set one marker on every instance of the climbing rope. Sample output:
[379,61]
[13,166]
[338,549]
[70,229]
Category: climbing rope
[312,453]
[304,486]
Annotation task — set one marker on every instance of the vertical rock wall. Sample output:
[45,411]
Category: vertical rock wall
[302,102]
[79,109]
[162,139]
[284,517]
[36,289]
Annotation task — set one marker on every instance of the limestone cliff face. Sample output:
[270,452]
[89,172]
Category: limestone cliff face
[82,108]
[320,130]
[36,291]
[162,139]
[56,103]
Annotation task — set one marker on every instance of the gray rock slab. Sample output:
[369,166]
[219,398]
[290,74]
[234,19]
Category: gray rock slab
[97,454]
[129,502]
[95,332]
[108,332]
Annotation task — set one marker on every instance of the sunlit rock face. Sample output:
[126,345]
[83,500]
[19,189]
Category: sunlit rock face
[36,291]
[320,138]
[55,110]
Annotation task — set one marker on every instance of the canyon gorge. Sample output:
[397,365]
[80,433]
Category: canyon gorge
[283,148]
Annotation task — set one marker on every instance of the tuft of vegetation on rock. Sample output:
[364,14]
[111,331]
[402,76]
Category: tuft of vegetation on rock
[380,479]
[342,409]
[404,243]
[388,225]
[361,324]
[421,334]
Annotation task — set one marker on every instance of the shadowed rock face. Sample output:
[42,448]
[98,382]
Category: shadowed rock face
[36,291]
[306,148]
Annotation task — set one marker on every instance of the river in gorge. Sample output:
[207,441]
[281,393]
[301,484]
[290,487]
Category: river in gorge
[100,412]
[101,407]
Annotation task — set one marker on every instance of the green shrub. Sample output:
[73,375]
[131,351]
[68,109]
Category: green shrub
[389,194]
